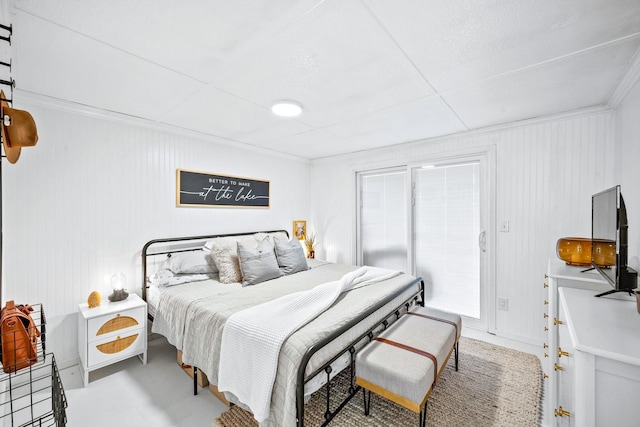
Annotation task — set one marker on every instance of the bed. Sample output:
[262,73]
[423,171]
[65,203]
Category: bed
[190,308]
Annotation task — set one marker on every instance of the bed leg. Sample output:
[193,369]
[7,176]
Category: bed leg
[195,381]
[327,412]
[352,370]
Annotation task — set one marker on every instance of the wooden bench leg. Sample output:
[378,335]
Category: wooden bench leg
[366,394]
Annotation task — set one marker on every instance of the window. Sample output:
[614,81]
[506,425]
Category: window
[383,219]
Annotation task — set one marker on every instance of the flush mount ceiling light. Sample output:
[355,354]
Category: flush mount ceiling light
[286,108]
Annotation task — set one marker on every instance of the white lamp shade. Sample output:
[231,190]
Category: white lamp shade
[118,281]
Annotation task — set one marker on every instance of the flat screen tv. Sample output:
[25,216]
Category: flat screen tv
[609,226]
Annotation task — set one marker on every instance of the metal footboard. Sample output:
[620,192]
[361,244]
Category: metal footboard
[417,297]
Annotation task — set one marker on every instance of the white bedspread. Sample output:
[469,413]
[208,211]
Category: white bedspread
[252,338]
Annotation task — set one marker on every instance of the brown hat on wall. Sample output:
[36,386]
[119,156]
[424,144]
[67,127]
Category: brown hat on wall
[18,130]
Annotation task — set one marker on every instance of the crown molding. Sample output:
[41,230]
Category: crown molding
[487,130]
[626,83]
[31,98]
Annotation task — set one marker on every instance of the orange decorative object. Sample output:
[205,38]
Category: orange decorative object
[94,299]
[577,251]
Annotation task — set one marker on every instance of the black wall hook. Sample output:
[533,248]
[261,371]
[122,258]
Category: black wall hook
[11,82]
[10,29]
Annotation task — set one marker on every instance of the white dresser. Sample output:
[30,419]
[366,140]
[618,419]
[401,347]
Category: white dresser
[593,362]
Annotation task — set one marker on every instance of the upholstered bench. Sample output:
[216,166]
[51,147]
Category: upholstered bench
[404,362]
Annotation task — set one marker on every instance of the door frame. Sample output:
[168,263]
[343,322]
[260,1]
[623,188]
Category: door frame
[487,156]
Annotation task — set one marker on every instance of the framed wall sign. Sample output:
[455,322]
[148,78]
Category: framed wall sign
[205,189]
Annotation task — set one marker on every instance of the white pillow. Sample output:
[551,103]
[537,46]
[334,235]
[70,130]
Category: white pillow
[290,256]
[278,235]
[178,279]
[258,264]
[192,262]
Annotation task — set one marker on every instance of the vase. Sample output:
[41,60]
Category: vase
[311,254]
[577,251]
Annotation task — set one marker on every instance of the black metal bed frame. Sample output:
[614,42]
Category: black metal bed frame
[416,297]
[146,254]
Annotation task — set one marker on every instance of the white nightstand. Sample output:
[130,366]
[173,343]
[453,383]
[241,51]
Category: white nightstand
[111,332]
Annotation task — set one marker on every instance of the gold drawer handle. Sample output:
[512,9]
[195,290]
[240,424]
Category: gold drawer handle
[557,367]
[562,353]
[546,329]
[546,302]
[561,412]
[545,315]
[545,285]
[545,376]
[545,345]
[546,355]
[557,322]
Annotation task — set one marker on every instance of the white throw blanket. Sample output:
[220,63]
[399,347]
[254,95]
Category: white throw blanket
[252,338]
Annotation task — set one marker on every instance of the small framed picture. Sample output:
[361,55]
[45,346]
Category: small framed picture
[300,229]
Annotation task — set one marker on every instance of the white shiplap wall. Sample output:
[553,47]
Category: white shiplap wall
[80,205]
[546,171]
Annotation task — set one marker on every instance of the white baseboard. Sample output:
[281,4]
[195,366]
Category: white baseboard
[503,341]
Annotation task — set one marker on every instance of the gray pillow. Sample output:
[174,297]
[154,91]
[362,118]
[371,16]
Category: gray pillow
[290,256]
[192,262]
[257,264]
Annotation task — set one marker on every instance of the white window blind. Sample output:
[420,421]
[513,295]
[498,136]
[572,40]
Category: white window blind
[383,219]
[446,229]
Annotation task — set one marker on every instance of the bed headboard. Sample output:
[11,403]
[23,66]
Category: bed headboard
[171,245]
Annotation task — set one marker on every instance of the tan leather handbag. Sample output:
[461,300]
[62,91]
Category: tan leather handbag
[19,337]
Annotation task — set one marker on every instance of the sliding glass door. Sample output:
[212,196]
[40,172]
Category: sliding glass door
[446,229]
[432,219]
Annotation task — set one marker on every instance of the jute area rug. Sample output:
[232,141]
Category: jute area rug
[495,386]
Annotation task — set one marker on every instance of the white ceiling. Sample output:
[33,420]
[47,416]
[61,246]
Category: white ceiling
[369,73]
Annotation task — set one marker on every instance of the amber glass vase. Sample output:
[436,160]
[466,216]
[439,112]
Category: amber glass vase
[577,251]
